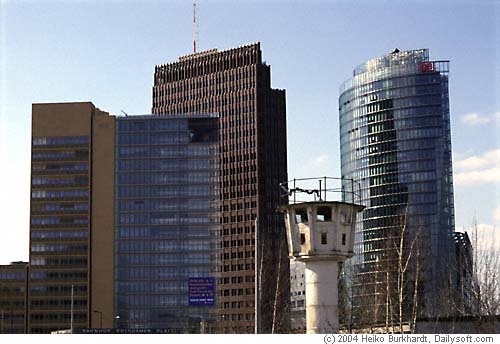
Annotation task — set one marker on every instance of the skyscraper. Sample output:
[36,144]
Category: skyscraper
[236,84]
[395,140]
[167,222]
[71,221]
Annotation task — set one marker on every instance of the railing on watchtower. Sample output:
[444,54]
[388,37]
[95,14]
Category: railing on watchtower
[321,189]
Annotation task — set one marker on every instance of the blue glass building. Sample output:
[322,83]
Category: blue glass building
[395,140]
[167,220]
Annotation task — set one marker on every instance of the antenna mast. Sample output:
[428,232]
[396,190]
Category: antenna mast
[194,26]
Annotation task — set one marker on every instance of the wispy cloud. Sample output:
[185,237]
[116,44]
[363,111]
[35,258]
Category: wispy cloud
[321,159]
[485,237]
[496,215]
[475,118]
[478,169]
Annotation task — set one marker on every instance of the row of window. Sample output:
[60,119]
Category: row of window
[59,261]
[65,248]
[416,101]
[152,301]
[164,245]
[176,151]
[176,287]
[205,78]
[164,218]
[394,74]
[62,180]
[167,204]
[142,138]
[72,234]
[171,232]
[197,232]
[51,167]
[154,273]
[159,124]
[67,275]
[391,93]
[166,164]
[390,82]
[165,191]
[165,259]
[58,303]
[59,194]
[15,275]
[67,140]
[61,207]
[58,289]
[53,317]
[44,221]
[61,154]
[355,119]
[188,177]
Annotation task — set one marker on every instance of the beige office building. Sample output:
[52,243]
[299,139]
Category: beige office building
[71,222]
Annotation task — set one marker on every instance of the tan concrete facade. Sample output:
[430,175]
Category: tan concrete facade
[72,202]
[102,221]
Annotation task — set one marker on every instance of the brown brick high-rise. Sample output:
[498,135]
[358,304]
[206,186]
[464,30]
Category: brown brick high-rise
[237,84]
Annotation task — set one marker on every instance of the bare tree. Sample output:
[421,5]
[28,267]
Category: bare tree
[391,286]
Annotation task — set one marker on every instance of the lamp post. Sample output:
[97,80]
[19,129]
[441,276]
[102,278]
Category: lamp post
[100,317]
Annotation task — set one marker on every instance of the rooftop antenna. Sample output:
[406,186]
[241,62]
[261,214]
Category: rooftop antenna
[194,26]
[123,112]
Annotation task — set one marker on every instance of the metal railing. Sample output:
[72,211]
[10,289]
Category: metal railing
[321,189]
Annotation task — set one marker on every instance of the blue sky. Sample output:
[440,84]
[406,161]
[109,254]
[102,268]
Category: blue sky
[105,52]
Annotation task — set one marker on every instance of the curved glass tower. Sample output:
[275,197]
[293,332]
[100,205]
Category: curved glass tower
[395,140]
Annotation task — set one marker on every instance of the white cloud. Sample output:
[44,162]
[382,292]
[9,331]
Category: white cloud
[321,159]
[491,175]
[496,215]
[485,237]
[487,159]
[479,169]
[475,118]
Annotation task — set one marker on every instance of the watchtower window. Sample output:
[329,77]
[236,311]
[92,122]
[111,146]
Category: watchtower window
[343,238]
[324,214]
[302,238]
[323,239]
[345,217]
[301,215]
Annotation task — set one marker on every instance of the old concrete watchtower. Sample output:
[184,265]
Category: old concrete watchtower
[320,233]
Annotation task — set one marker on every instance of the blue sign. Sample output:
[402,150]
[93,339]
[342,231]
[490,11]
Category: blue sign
[201,291]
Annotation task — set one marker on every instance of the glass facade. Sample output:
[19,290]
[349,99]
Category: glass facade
[167,219]
[395,140]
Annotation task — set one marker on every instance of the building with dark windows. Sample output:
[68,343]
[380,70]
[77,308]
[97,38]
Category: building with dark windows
[71,222]
[395,140]
[236,84]
[297,297]
[468,290]
[13,284]
[167,223]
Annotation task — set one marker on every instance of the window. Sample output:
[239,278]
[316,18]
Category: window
[324,214]
[302,238]
[301,215]
[323,238]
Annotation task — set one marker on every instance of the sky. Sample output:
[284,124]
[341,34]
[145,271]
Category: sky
[105,52]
